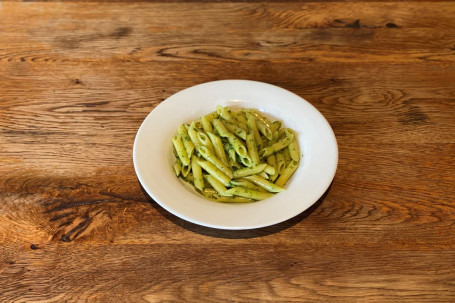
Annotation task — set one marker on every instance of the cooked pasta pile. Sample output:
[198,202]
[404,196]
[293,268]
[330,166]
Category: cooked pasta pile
[235,155]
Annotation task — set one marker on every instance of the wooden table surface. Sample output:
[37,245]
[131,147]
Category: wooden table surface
[77,79]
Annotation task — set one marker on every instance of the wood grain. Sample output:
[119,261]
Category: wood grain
[77,79]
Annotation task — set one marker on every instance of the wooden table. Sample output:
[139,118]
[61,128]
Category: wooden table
[78,78]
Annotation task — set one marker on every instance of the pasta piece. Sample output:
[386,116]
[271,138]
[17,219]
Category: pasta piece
[269,170]
[234,200]
[207,155]
[240,124]
[275,136]
[192,132]
[263,174]
[276,125]
[279,145]
[205,141]
[238,146]
[223,112]
[189,178]
[217,185]
[294,150]
[177,168]
[271,161]
[265,184]
[249,193]
[212,194]
[209,190]
[219,148]
[197,174]
[246,184]
[264,129]
[251,122]
[198,124]
[215,172]
[246,161]
[220,128]
[241,119]
[186,169]
[249,171]
[180,149]
[206,125]
[286,155]
[260,117]
[232,155]
[287,173]
[209,193]
[189,146]
[211,116]
[280,163]
[252,148]
[237,130]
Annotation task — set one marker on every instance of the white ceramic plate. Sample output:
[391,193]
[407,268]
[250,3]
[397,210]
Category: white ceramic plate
[153,158]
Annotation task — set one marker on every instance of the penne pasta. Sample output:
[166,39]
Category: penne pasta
[192,132]
[287,173]
[279,145]
[246,184]
[251,122]
[197,174]
[220,128]
[206,124]
[241,119]
[223,113]
[264,129]
[219,148]
[238,146]
[235,142]
[249,193]
[186,169]
[233,200]
[280,163]
[177,168]
[263,174]
[294,150]
[246,161]
[217,185]
[210,193]
[286,155]
[252,148]
[260,117]
[205,141]
[188,178]
[189,146]
[234,129]
[276,125]
[234,156]
[211,116]
[274,138]
[265,184]
[180,149]
[269,170]
[271,161]
[215,172]
[248,171]
[209,156]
